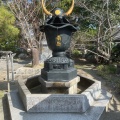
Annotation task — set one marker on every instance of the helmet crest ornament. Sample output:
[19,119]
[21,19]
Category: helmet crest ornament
[57,12]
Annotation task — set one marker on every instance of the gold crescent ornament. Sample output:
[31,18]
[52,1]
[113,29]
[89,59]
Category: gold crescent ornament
[71,9]
[44,9]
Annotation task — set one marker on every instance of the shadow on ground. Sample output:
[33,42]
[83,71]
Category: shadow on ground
[6,108]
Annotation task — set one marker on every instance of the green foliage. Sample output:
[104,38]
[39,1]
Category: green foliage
[1,94]
[65,4]
[108,73]
[84,36]
[76,53]
[106,69]
[115,56]
[8,32]
[97,11]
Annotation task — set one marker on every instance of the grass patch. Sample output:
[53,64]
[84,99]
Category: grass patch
[107,69]
[79,66]
[84,66]
[1,94]
[108,72]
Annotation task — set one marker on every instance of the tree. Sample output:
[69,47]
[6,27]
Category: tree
[29,18]
[8,32]
[101,18]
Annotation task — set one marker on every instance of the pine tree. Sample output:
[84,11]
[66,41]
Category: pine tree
[8,32]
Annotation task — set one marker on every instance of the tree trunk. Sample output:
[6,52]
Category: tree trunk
[35,57]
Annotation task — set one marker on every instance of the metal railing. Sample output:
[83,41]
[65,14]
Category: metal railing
[8,56]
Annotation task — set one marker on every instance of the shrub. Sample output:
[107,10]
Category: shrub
[107,69]
[8,32]
[76,53]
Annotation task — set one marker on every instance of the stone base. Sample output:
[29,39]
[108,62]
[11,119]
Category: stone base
[62,103]
[18,112]
[59,75]
[71,85]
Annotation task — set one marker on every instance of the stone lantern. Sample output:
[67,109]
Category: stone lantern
[58,31]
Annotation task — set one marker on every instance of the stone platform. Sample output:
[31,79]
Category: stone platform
[18,112]
[70,86]
[62,103]
[88,105]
